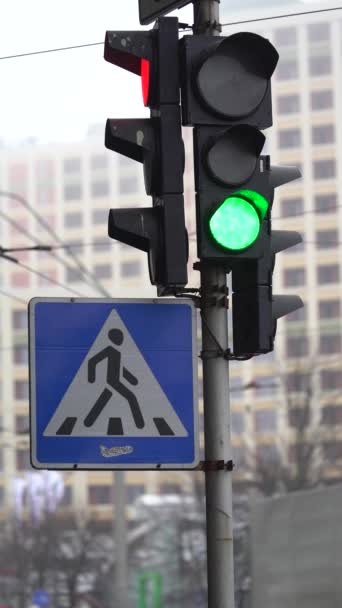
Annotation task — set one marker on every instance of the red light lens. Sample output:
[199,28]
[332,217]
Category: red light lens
[145,79]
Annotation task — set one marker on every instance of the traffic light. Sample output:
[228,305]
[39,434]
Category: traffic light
[226,96]
[156,143]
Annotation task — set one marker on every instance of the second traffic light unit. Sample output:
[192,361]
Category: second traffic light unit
[156,143]
[226,95]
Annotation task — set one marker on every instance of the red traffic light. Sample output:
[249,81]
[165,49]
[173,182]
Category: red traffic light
[145,80]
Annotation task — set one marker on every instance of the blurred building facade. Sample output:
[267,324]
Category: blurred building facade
[70,189]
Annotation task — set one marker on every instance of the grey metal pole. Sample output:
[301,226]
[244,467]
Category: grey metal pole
[120,542]
[219,507]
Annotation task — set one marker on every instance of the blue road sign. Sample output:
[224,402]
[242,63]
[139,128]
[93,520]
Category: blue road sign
[40,598]
[113,384]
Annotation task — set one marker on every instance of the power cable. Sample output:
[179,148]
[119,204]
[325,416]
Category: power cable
[300,14]
[33,239]
[64,48]
[89,44]
[40,274]
[55,236]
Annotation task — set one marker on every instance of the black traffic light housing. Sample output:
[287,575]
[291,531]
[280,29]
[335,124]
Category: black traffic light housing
[226,95]
[156,143]
[255,307]
[227,79]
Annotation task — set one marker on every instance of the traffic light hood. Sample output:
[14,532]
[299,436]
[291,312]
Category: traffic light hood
[232,79]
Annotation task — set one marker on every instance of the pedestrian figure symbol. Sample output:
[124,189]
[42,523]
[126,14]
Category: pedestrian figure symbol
[113,356]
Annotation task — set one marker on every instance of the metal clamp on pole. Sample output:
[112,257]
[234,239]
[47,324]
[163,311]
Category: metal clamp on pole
[216,465]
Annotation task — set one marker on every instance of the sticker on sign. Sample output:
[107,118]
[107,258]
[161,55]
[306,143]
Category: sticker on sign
[149,10]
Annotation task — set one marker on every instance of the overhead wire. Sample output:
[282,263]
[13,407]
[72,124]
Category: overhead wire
[33,239]
[283,16]
[41,275]
[55,236]
[90,44]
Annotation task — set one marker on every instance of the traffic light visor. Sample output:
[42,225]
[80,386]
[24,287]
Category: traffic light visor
[235,224]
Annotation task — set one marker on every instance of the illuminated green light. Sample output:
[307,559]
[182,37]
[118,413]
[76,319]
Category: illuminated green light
[235,224]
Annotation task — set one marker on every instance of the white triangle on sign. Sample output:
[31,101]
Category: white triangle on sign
[116,394]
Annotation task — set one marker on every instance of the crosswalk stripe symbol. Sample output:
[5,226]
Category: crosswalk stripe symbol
[115,393]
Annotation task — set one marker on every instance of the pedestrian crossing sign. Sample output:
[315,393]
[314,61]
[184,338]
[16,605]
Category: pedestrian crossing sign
[113,384]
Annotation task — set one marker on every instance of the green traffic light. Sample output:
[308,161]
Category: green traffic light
[235,224]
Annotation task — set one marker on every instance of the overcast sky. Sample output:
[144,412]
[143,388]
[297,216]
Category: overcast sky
[56,96]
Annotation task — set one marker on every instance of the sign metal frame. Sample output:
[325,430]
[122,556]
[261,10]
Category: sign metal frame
[123,459]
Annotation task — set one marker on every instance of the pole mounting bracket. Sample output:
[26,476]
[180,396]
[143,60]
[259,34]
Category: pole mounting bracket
[215,465]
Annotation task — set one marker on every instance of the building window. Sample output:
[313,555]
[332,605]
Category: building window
[319,66]
[297,346]
[287,70]
[50,277]
[2,496]
[322,100]
[130,269]
[72,165]
[67,497]
[329,309]
[103,271]
[267,454]
[298,417]
[20,354]
[266,386]
[19,319]
[265,420]
[17,181]
[331,379]
[238,423]
[288,104]
[45,194]
[100,246]
[297,315]
[291,207]
[134,491]
[323,134]
[329,273]
[330,344]
[75,246]
[325,203]
[294,277]
[100,188]
[285,36]
[73,220]
[73,275]
[239,455]
[332,414]
[326,239]
[236,387]
[169,488]
[324,169]
[318,32]
[100,216]
[99,162]
[100,495]
[332,451]
[289,138]
[23,460]
[20,279]
[72,192]
[21,390]
[128,184]
[297,382]
[22,424]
